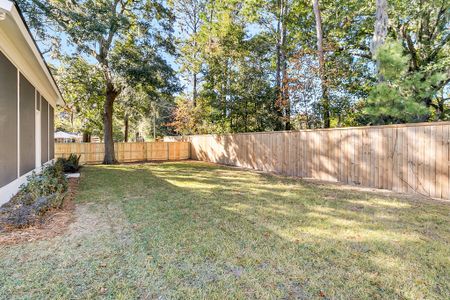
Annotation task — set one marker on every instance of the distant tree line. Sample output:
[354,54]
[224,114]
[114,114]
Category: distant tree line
[130,69]
[254,65]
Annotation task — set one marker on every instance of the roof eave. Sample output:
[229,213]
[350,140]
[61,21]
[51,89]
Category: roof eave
[12,9]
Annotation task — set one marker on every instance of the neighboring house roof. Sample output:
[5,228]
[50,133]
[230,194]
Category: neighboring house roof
[11,9]
[66,135]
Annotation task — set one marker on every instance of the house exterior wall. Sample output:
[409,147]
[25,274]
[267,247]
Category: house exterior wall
[16,43]
[28,96]
[44,130]
[26,129]
[51,133]
[8,121]
[27,126]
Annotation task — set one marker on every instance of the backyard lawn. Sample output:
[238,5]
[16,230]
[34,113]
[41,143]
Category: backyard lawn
[196,230]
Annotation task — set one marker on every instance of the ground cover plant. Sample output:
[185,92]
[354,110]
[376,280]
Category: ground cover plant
[195,230]
[70,164]
[42,191]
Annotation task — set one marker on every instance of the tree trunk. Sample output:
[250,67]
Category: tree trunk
[196,21]
[284,64]
[286,100]
[278,67]
[86,137]
[126,128]
[278,88]
[246,116]
[287,116]
[194,90]
[321,57]
[72,120]
[380,31]
[111,95]
[225,89]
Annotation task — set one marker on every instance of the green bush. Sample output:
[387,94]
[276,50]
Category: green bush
[41,193]
[399,96]
[51,181]
[70,164]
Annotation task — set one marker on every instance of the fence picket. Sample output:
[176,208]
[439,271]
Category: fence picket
[92,153]
[404,158]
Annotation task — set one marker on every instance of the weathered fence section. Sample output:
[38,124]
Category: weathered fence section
[410,158]
[92,153]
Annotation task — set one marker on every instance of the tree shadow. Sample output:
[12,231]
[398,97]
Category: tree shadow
[406,159]
[258,235]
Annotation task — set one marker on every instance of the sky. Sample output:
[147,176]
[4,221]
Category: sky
[66,48]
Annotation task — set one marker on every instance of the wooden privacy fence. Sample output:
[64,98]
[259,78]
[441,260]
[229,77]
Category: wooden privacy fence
[410,158]
[92,153]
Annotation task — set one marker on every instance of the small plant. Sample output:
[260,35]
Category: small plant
[51,181]
[41,193]
[70,164]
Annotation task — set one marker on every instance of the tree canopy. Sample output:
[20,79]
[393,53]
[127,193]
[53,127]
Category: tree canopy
[124,40]
[203,66]
[270,65]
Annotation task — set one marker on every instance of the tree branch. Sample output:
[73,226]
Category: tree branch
[411,47]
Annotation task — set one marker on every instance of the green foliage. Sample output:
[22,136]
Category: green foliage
[112,47]
[70,164]
[238,54]
[188,119]
[41,192]
[82,86]
[51,181]
[398,98]
[393,62]
[236,92]
[422,29]
[238,43]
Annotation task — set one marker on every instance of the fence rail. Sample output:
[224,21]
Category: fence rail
[408,158]
[92,153]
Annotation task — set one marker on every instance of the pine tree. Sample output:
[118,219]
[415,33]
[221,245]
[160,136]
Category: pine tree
[394,100]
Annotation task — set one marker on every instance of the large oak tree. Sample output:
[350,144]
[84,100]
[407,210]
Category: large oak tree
[124,39]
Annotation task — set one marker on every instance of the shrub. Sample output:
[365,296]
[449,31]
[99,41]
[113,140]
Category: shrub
[51,181]
[70,164]
[41,193]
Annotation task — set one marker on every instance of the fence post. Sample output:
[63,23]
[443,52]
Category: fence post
[405,157]
[91,153]
[189,151]
[168,151]
[145,149]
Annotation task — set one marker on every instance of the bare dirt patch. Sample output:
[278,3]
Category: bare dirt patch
[92,220]
[54,223]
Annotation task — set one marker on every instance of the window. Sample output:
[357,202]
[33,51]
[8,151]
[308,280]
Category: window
[8,121]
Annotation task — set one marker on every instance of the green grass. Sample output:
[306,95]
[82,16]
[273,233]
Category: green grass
[194,230]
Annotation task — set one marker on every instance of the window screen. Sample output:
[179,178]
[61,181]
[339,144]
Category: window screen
[27,126]
[8,121]
[44,131]
[51,135]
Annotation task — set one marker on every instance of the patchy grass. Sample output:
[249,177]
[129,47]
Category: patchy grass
[194,230]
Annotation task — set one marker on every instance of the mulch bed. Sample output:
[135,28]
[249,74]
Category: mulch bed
[54,223]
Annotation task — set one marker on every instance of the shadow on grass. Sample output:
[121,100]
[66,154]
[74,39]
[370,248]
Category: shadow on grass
[220,232]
